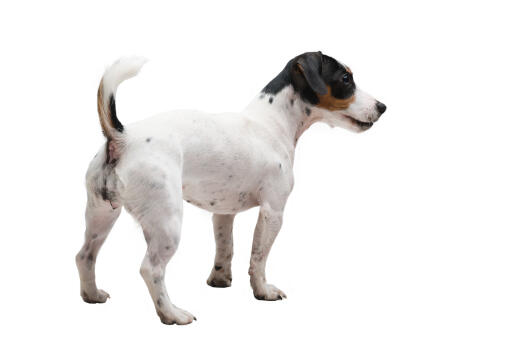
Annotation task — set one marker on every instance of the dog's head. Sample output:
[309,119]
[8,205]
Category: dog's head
[329,86]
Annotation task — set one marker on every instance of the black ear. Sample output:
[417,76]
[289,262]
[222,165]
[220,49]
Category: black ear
[310,65]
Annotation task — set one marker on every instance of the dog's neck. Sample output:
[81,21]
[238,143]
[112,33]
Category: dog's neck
[287,111]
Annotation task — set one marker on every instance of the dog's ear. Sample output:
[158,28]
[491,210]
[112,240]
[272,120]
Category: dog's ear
[309,65]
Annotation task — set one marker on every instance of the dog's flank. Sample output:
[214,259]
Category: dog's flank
[224,163]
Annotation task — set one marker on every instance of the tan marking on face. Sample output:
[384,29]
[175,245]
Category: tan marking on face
[334,104]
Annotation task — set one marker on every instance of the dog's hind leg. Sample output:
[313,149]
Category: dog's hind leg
[221,275]
[100,218]
[154,197]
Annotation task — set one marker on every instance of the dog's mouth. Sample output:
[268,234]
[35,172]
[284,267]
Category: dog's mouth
[360,124]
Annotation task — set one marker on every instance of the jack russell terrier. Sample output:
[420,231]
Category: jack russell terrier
[224,163]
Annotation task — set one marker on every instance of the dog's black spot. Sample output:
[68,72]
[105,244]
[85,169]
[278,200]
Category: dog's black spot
[261,96]
[94,236]
[188,200]
[90,261]
[270,100]
[167,247]
[280,165]
[230,176]
[242,197]
[292,101]
[159,302]
[104,193]
[82,257]
[217,267]
[148,139]
[113,115]
[307,111]
[156,185]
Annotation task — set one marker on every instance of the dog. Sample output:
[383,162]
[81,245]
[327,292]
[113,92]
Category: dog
[223,163]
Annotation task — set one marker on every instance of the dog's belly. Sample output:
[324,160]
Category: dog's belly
[220,197]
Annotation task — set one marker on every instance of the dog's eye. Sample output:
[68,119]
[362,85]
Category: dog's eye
[346,78]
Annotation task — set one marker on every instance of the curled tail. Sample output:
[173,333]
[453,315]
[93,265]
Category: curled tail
[118,72]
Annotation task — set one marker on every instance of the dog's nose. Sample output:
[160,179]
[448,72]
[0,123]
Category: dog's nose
[380,107]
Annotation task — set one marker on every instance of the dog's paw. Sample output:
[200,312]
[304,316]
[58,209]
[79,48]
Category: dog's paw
[218,278]
[268,292]
[98,297]
[176,316]
[219,282]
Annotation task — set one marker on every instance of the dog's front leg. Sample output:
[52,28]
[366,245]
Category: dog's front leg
[267,228]
[221,275]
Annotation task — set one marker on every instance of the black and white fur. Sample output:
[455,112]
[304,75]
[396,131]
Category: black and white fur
[224,163]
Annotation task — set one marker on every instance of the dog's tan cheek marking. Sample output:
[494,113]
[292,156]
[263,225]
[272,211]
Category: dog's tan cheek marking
[334,104]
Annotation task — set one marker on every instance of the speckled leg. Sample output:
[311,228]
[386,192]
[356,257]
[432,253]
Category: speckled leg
[156,202]
[221,275]
[267,228]
[162,243]
[100,218]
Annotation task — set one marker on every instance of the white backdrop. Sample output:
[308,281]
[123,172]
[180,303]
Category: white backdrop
[398,236]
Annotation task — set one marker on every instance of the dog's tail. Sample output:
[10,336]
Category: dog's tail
[114,75]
